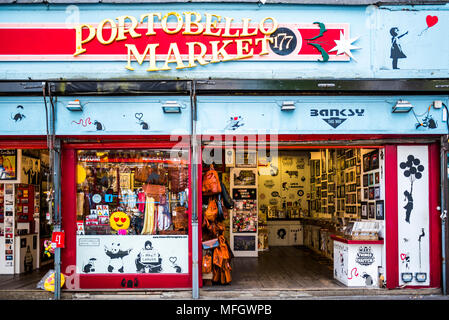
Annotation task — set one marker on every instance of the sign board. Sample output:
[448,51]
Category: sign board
[58,238]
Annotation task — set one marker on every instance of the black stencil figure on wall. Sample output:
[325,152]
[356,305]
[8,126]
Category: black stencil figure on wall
[142,123]
[413,170]
[19,116]
[148,260]
[116,255]
[396,49]
[99,126]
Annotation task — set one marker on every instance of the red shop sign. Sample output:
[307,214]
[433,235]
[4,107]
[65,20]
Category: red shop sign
[178,45]
[58,239]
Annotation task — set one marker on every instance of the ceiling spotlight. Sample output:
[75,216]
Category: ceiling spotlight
[402,106]
[171,107]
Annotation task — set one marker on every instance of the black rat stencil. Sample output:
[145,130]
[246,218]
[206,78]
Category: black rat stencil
[18,116]
[413,170]
[139,117]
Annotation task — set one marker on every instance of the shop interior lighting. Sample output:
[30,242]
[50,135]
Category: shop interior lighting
[75,105]
[171,107]
[288,106]
[402,106]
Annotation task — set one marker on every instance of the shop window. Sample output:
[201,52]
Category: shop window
[132,207]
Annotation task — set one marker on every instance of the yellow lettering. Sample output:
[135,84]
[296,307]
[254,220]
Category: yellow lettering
[79,38]
[264,44]
[100,31]
[199,57]
[245,32]
[242,50]
[188,23]
[121,28]
[228,28]
[178,26]
[151,48]
[173,50]
[273,27]
[210,25]
[222,51]
[150,22]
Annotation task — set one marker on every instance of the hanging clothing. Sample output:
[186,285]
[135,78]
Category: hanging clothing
[149,220]
[141,201]
[80,203]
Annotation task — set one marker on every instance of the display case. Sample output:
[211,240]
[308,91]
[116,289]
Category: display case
[357,263]
[244,219]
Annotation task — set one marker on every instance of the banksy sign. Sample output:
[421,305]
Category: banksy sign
[335,117]
[365,256]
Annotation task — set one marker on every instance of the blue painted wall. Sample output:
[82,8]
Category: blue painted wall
[317,115]
[427,49]
[224,115]
[100,116]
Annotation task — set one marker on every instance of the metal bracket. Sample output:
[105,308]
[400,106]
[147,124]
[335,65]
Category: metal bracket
[443,215]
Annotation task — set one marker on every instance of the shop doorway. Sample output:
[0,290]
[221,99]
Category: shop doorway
[24,211]
[288,206]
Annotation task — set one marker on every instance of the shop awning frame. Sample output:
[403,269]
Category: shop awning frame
[228,87]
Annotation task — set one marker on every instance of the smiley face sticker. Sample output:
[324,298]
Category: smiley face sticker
[119,221]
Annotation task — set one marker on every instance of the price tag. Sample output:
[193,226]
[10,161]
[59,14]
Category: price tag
[58,239]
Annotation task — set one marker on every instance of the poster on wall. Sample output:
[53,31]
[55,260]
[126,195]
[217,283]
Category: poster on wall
[8,227]
[132,254]
[8,165]
[413,215]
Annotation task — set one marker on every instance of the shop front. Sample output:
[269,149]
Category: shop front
[318,138]
[344,186]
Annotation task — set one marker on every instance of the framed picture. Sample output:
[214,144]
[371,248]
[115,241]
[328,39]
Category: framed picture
[365,194]
[380,210]
[376,192]
[374,160]
[8,161]
[366,162]
[243,177]
[371,193]
[246,158]
[364,212]
[371,210]
[370,179]
[365,180]
[376,177]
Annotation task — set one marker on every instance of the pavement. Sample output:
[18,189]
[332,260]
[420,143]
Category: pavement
[219,295]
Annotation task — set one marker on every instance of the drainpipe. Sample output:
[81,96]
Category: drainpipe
[54,147]
[444,193]
[194,175]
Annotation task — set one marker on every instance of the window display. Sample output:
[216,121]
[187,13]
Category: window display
[132,192]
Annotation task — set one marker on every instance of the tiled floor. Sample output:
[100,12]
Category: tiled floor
[282,268]
[278,268]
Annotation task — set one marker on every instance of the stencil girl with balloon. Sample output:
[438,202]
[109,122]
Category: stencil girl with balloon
[413,170]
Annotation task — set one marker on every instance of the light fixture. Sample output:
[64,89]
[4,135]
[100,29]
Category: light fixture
[288,106]
[171,107]
[402,106]
[74,105]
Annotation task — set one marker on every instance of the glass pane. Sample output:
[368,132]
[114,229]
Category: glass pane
[132,192]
